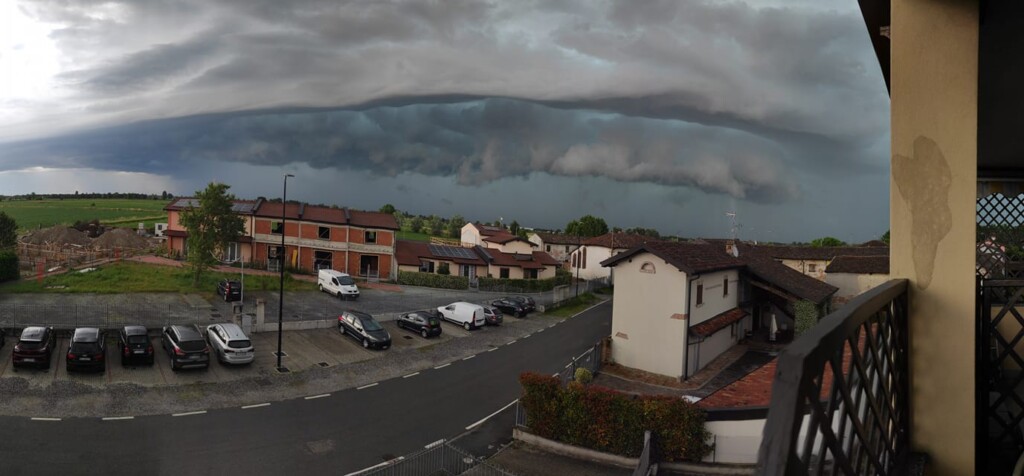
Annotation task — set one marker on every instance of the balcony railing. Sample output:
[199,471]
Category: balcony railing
[840,398]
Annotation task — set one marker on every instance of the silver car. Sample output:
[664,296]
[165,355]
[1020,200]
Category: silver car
[230,344]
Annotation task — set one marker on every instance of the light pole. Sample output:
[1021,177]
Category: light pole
[280,298]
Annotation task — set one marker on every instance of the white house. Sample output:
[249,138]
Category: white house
[855,274]
[585,262]
[558,245]
[495,238]
[676,306]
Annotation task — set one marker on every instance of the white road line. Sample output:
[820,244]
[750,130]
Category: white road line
[510,343]
[539,330]
[568,365]
[439,367]
[314,397]
[470,427]
[555,375]
[45,419]
[492,349]
[467,358]
[374,384]
[256,406]
[552,325]
[200,412]
[411,375]
[113,418]
[431,445]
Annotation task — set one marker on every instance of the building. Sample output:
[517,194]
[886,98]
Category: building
[357,242]
[495,238]
[475,261]
[814,260]
[854,275]
[585,262]
[559,246]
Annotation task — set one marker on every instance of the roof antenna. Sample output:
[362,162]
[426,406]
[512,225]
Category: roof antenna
[735,226]
[730,246]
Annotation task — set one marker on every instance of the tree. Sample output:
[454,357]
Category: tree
[587,225]
[211,227]
[885,237]
[806,316]
[455,224]
[388,208]
[651,232]
[435,226]
[514,227]
[415,224]
[827,241]
[8,231]
[164,195]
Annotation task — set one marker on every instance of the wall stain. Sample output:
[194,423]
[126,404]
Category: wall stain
[923,182]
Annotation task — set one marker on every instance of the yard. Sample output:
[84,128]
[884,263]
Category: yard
[32,214]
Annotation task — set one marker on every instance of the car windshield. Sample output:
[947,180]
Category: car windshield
[346,281]
[85,347]
[192,345]
[371,325]
[239,344]
[139,339]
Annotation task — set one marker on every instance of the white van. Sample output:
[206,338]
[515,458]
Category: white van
[467,315]
[337,283]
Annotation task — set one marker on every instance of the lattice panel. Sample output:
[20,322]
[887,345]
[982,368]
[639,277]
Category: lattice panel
[1000,234]
[1001,375]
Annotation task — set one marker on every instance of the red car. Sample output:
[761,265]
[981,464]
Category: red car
[34,347]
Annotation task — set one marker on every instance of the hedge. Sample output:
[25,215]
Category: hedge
[432,280]
[9,266]
[525,285]
[605,420]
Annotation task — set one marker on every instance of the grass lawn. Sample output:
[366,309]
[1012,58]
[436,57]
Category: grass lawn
[139,277]
[32,214]
[408,235]
[574,305]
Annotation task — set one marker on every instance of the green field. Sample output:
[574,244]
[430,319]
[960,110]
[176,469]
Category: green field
[32,214]
[408,235]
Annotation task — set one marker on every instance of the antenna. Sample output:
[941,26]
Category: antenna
[735,226]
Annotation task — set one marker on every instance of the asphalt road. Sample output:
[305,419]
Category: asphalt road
[347,431]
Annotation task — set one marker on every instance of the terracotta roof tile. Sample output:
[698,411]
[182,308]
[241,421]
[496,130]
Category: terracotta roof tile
[557,238]
[719,322]
[688,257]
[619,240]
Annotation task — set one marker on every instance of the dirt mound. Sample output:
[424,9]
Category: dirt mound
[57,235]
[120,238]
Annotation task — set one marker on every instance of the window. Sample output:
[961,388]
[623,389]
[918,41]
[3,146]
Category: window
[368,266]
[371,236]
[322,259]
[549,248]
[503,273]
[276,228]
[426,266]
[584,258]
[725,287]
[324,232]
[566,248]
[647,267]
[812,267]
[530,273]
[234,252]
[700,294]
[574,260]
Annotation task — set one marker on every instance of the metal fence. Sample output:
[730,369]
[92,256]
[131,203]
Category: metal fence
[105,316]
[645,465]
[438,459]
[590,360]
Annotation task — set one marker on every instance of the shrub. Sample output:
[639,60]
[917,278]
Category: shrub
[523,285]
[584,376]
[432,280]
[613,422]
[8,266]
[806,316]
[443,269]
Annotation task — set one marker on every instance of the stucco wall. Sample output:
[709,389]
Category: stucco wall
[514,247]
[850,285]
[932,214]
[648,326]
[714,302]
[593,268]
[735,441]
[469,235]
[701,354]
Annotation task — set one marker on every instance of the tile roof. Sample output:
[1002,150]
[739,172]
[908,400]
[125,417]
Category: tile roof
[823,253]
[719,322]
[787,279]
[501,239]
[409,253]
[689,257]
[373,219]
[557,238]
[619,240]
[320,214]
[238,206]
[859,265]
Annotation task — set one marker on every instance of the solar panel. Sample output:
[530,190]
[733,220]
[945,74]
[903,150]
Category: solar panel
[451,252]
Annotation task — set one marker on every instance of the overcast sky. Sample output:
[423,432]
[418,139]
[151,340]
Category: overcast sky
[662,114]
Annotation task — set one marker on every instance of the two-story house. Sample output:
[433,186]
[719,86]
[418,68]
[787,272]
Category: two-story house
[585,262]
[559,246]
[495,238]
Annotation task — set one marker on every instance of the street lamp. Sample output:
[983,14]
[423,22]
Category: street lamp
[280,298]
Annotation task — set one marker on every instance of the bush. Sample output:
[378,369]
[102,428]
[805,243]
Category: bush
[806,316]
[584,376]
[524,285]
[613,422]
[443,269]
[432,280]
[8,266]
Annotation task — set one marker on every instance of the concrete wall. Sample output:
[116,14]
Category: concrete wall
[934,120]
[592,268]
[715,302]
[648,316]
[735,441]
[850,285]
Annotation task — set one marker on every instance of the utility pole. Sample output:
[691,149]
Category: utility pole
[281,255]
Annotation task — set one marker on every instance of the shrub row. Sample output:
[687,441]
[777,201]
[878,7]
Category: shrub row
[432,280]
[8,266]
[613,422]
[524,285]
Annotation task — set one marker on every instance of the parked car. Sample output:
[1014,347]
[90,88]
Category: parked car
[492,315]
[34,347]
[465,314]
[230,344]
[134,345]
[231,290]
[365,329]
[186,347]
[511,307]
[424,322]
[526,301]
[337,283]
[87,351]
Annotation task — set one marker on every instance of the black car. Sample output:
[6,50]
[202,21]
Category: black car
[88,350]
[231,290]
[492,315]
[186,347]
[34,347]
[425,322]
[365,329]
[134,345]
[510,307]
[526,301]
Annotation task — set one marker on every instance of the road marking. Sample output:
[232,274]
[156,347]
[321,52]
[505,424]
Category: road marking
[552,325]
[439,367]
[492,349]
[256,406]
[523,337]
[436,443]
[314,397]
[378,465]
[374,384]
[467,358]
[555,375]
[45,419]
[200,412]
[568,365]
[470,427]
[539,330]
[113,418]
[411,375]
[512,342]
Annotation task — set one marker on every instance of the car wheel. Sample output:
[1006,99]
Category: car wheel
[423,333]
[467,326]
[321,286]
[366,343]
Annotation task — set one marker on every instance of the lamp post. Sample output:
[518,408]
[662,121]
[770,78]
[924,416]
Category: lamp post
[280,298]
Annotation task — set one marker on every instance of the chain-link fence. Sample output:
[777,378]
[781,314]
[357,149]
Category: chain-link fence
[104,316]
[438,459]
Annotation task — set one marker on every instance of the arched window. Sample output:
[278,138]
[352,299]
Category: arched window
[647,267]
